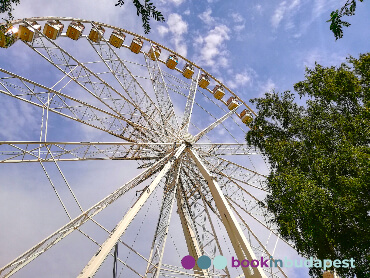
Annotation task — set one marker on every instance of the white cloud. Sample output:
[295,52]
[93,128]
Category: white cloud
[239,20]
[259,8]
[178,28]
[237,17]
[187,12]
[206,17]
[177,2]
[162,30]
[284,10]
[268,86]
[325,58]
[242,78]
[212,48]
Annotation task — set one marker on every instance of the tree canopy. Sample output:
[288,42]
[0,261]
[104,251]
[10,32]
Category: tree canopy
[336,25]
[319,186]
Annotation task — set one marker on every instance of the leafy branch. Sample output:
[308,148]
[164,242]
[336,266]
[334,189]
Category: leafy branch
[146,11]
[337,24]
[6,7]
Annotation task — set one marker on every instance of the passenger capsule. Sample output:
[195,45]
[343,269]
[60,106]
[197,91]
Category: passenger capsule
[154,52]
[27,31]
[53,29]
[136,45]
[75,30]
[117,38]
[172,61]
[188,70]
[328,274]
[218,92]
[232,103]
[8,36]
[96,33]
[203,80]
[246,117]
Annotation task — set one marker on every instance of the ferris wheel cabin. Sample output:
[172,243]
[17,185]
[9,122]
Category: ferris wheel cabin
[117,38]
[136,45]
[96,33]
[27,30]
[154,52]
[203,81]
[75,30]
[218,92]
[188,70]
[53,29]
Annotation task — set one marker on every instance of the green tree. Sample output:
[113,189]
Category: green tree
[6,6]
[336,25]
[319,186]
[146,10]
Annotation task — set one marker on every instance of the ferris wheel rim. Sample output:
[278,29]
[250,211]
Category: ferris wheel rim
[17,21]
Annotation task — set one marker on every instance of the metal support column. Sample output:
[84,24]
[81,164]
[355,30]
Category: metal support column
[95,262]
[240,244]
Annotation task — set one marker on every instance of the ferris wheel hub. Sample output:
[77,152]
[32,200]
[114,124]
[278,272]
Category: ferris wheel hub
[188,138]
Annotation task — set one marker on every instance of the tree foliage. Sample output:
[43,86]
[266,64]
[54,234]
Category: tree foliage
[320,156]
[146,11]
[336,25]
[6,6]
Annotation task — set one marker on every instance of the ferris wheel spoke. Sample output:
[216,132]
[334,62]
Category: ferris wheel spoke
[95,262]
[259,247]
[160,236]
[190,103]
[214,124]
[110,253]
[128,83]
[198,105]
[234,171]
[221,149]
[43,97]
[190,231]
[199,208]
[239,242]
[34,151]
[89,81]
[162,95]
[273,229]
[64,231]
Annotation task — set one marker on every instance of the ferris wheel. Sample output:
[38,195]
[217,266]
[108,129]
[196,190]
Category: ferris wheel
[199,186]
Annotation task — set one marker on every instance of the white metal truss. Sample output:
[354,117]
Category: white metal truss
[195,159]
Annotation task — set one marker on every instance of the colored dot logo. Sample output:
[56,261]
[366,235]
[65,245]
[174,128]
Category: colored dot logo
[204,262]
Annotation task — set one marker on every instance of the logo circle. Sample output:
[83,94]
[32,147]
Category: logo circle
[188,262]
[219,262]
[204,262]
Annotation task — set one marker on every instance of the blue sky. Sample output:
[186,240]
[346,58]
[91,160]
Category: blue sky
[251,46]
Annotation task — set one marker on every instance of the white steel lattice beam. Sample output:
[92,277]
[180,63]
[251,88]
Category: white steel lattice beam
[89,81]
[64,231]
[72,108]
[161,91]
[214,124]
[33,151]
[95,262]
[160,236]
[236,235]
[189,229]
[190,103]
[134,90]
